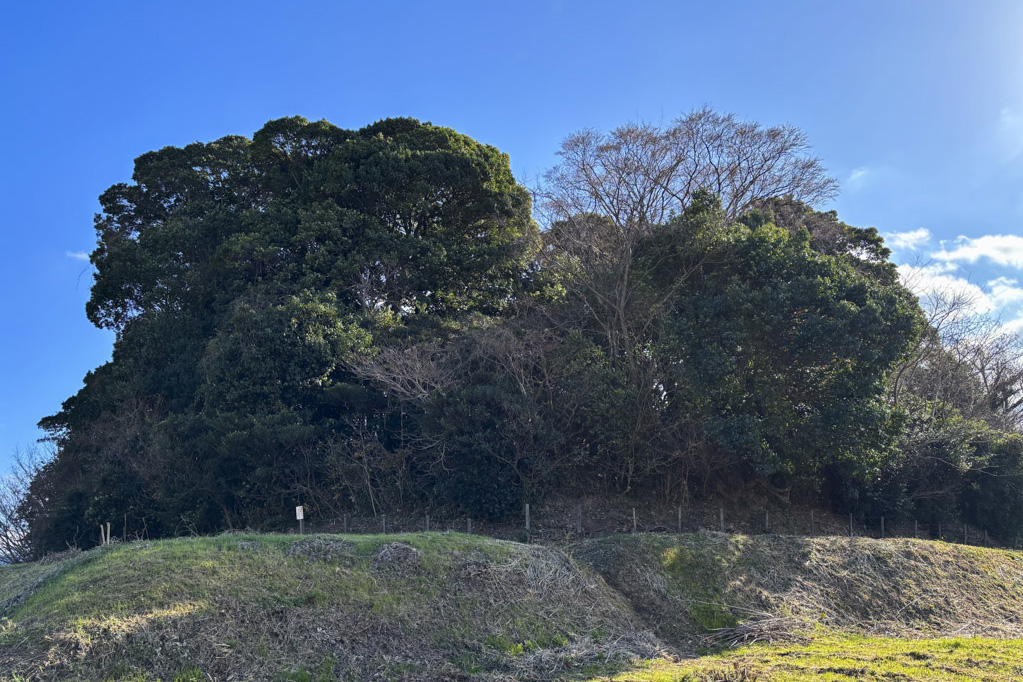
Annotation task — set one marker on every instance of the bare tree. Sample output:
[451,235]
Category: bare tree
[14,502]
[610,190]
[409,372]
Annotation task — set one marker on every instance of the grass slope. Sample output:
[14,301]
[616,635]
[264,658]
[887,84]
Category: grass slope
[437,606]
[684,586]
[457,607]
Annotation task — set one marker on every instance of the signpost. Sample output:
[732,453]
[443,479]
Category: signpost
[300,515]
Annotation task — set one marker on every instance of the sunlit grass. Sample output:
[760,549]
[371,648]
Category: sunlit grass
[842,658]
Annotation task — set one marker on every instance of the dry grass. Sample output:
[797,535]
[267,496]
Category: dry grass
[757,588]
[408,607]
[455,607]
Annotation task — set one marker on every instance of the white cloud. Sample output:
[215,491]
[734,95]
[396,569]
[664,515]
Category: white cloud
[1013,326]
[858,177]
[929,281]
[1003,249]
[77,255]
[1005,291]
[908,241]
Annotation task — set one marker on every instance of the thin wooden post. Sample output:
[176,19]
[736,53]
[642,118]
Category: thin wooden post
[527,519]
[633,519]
[102,538]
[383,521]
[767,521]
[882,527]
[108,532]
[680,520]
[850,524]
[427,523]
[468,523]
[721,518]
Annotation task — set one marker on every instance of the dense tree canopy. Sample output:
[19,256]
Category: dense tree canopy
[370,320]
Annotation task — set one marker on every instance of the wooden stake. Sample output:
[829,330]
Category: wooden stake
[633,519]
[527,518]
[721,518]
[680,520]
[468,523]
[882,527]
[346,523]
[767,521]
[850,525]
[383,520]
[427,523]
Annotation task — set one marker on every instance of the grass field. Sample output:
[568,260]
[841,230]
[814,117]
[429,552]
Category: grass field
[839,658]
[446,606]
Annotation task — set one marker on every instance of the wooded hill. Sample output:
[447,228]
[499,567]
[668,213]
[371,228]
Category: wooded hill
[381,319]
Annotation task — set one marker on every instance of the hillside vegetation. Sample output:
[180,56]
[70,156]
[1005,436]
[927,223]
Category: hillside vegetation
[451,606]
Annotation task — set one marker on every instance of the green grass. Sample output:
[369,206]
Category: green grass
[277,607]
[439,606]
[837,658]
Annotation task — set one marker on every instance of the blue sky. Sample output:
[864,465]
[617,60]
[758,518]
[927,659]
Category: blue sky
[915,106]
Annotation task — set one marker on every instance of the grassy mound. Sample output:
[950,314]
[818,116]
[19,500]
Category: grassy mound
[780,588]
[655,608]
[247,607]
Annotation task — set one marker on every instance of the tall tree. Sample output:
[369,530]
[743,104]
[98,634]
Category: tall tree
[243,280]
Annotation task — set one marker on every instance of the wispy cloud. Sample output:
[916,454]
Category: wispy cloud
[1005,291]
[77,255]
[907,241]
[1010,132]
[937,280]
[858,177]
[1003,249]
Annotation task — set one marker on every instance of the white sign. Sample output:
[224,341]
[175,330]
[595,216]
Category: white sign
[299,513]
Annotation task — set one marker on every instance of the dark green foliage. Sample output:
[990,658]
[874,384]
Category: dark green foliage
[245,280]
[365,321]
